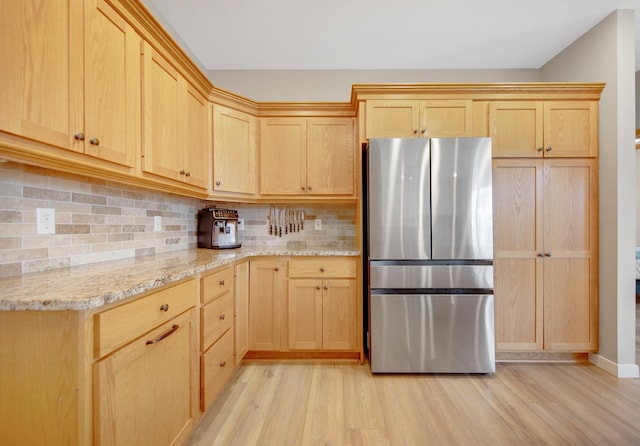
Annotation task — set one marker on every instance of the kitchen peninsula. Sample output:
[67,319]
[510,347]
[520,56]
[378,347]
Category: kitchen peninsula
[91,343]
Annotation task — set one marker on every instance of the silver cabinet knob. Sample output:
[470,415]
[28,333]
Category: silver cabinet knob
[326,287]
[415,131]
[182,172]
[549,149]
[540,149]
[187,174]
[317,287]
[322,268]
[218,183]
[164,307]
[94,141]
[79,136]
[423,131]
[221,317]
[277,269]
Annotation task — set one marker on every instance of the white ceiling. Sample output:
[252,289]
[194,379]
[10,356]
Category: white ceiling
[381,34]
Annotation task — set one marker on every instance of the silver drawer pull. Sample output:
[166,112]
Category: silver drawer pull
[164,307]
[168,333]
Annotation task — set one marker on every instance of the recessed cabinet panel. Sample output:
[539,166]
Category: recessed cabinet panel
[545,254]
[42,75]
[112,79]
[234,151]
[283,156]
[161,116]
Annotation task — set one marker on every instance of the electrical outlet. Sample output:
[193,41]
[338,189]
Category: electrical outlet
[318,224]
[157,223]
[46,221]
[241,224]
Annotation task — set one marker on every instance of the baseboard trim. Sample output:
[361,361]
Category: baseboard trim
[618,370]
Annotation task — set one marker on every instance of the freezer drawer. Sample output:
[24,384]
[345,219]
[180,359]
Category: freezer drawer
[432,276]
[437,333]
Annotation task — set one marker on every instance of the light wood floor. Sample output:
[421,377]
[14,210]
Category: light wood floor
[344,404]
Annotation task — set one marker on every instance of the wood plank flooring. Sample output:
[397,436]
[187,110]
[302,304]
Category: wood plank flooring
[344,404]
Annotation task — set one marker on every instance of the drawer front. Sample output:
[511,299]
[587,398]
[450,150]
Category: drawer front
[216,284]
[320,267]
[120,325]
[216,369]
[217,317]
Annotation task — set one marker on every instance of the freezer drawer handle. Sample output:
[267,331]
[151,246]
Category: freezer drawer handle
[166,334]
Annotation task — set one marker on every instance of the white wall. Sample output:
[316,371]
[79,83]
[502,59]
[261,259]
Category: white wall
[335,85]
[606,53]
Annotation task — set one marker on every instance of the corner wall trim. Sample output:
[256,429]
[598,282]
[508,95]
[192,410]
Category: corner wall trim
[618,370]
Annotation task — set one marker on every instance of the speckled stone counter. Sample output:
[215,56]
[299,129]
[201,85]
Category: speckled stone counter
[91,286]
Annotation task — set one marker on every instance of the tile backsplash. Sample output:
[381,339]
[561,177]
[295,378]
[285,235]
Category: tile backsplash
[98,220]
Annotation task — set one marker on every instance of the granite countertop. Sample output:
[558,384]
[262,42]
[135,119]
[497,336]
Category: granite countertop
[91,286]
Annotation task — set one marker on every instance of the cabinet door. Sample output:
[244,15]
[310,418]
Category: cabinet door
[241,311]
[267,304]
[339,314]
[446,118]
[42,71]
[570,129]
[330,153]
[112,79]
[392,118]
[517,209]
[283,161]
[234,151]
[516,129]
[195,142]
[162,108]
[305,314]
[570,265]
[143,392]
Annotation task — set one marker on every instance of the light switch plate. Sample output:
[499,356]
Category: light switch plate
[318,224]
[157,223]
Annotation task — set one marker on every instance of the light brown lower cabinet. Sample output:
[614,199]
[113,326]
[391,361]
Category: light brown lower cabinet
[145,389]
[216,327]
[546,263]
[322,314]
[267,304]
[241,311]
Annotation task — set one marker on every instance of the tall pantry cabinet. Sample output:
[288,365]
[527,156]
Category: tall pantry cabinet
[545,225]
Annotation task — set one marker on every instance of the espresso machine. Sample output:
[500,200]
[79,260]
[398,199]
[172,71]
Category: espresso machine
[218,228]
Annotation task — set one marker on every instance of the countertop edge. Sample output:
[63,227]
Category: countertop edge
[198,263]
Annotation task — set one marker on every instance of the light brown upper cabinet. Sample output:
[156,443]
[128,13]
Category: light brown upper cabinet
[386,118]
[175,123]
[72,91]
[308,157]
[558,129]
[545,241]
[235,136]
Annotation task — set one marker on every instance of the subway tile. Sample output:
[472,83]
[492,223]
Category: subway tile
[133,228]
[72,229]
[45,194]
[109,210]
[88,198]
[106,229]
[92,219]
[34,266]
[121,237]
[145,252]
[19,255]
[10,242]
[10,269]
[10,216]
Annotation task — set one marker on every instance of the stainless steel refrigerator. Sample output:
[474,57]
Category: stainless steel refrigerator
[429,247]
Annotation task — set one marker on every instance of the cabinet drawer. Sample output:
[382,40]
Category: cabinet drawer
[120,325]
[322,267]
[216,368]
[217,317]
[216,284]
